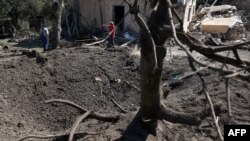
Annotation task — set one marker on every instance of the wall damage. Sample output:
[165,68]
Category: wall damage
[219,24]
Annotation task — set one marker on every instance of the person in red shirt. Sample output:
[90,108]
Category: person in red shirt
[111,30]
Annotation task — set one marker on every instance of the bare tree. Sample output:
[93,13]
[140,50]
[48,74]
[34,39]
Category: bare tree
[154,33]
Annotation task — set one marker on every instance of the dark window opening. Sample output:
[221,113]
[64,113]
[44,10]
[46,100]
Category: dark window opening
[118,15]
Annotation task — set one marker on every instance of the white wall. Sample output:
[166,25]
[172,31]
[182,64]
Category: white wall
[90,11]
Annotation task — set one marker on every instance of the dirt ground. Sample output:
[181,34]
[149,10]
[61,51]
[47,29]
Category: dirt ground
[92,77]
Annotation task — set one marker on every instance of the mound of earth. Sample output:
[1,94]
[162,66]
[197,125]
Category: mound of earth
[92,77]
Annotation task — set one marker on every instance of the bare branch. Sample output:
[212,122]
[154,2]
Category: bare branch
[76,124]
[56,136]
[229,109]
[94,115]
[193,73]
[178,16]
[119,106]
[133,86]
[213,115]
[148,47]
[224,63]
[208,51]
[229,47]
[69,103]
[186,118]
[236,54]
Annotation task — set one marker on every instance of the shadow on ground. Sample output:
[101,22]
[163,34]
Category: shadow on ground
[29,43]
[137,130]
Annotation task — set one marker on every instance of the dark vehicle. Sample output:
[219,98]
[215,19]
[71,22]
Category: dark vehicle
[7,29]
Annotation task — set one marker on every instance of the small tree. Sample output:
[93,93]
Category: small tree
[154,33]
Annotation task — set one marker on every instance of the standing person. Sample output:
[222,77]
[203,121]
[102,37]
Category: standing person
[13,31]
[111,38]
[44,36]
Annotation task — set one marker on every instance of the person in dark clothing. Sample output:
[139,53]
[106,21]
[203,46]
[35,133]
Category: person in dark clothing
[44,36]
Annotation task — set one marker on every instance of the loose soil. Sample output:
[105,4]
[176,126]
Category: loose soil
[92,77]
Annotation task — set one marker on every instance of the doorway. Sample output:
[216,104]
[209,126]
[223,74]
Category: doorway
[118,15]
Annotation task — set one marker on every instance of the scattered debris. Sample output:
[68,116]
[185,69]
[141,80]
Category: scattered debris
[218,25]
[98,79]
[129,38]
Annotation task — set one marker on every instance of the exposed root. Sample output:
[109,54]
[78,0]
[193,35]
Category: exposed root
[194,119]
[229,109]
[94,115]
[76,124]
[215,119]
[56,136]
[87,114]
[136,88]
[213,109]
[119,106]
[69,103]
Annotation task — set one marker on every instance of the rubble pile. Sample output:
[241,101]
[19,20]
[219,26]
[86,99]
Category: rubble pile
[218,24]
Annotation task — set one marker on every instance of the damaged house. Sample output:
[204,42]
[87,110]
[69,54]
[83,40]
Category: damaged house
[95,13]
[222,23]
[218,23]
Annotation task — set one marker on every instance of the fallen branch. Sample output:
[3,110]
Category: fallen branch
[101,41]
[229,109]
[94,115]
[76,124]
[213,115]
[119,106]
[64,135]
[69,103]
[148,46]
[237,56]
[133,86]
[224,63]
[193,73]
[97,42]
[229,47]
[212,108]
[232,75]
[194,119]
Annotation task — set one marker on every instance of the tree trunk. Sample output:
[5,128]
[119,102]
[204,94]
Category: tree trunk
[151,77]
[58,8]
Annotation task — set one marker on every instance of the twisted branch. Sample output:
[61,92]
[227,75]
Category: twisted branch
[64,135]
[76,124]
[93,115]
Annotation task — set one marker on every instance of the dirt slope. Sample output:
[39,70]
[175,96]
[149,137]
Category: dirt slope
[74,74]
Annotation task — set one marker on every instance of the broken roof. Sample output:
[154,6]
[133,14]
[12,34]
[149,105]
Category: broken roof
[219,8]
